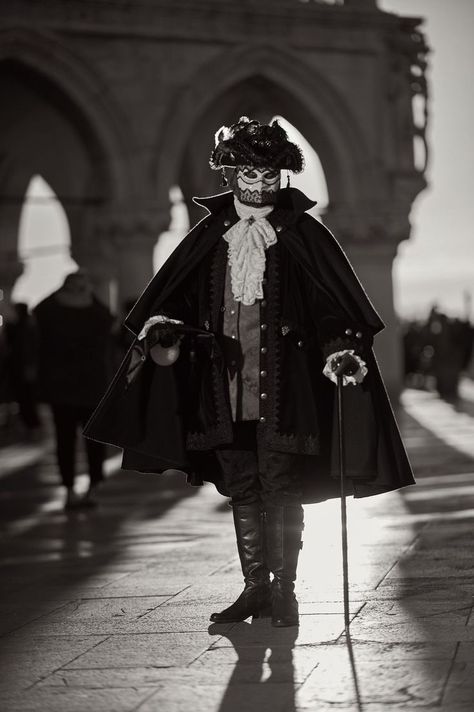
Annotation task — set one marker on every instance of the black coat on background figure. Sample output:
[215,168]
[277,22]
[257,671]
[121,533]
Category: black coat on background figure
[174,417]
[74,355]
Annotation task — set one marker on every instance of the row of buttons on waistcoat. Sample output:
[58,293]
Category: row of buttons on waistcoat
[263,353]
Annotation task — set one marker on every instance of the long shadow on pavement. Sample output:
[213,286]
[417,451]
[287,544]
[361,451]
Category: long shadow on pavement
[263,676]
[417,625]
[48,554]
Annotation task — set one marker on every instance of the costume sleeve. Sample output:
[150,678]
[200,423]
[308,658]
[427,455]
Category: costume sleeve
[180,304]
[342,313]
[335,330]
[335,333]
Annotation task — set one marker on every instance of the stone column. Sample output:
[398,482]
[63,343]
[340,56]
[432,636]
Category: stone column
[116,247]
[134,237]
[373,265]
[10,266]
[10,270]
[91,249]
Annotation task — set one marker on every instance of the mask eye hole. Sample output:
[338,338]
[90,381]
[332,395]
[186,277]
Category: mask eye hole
[270,174]
[249,173]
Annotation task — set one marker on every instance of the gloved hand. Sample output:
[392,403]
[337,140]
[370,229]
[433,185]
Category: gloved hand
[163,341]
[348,364]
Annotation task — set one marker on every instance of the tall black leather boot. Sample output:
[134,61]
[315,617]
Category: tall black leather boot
[283,529]
[255,598]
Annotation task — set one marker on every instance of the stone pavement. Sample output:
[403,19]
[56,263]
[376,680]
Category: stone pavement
[107,610]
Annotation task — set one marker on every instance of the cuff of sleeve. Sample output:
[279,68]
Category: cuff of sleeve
[158,319]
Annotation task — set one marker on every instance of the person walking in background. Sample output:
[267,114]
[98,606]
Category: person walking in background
[74,347]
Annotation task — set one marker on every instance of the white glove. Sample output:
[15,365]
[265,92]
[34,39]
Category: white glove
[356,378]
[158,319]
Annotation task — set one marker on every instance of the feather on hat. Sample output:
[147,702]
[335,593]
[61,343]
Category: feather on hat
[250,143]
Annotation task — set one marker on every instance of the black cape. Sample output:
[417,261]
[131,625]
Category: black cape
[144,409]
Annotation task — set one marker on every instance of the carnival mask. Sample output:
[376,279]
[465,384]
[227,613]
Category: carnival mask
[255,186]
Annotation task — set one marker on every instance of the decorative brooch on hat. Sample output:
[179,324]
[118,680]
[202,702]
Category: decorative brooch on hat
[250,143]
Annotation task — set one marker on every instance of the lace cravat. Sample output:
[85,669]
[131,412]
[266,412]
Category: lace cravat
[248,239]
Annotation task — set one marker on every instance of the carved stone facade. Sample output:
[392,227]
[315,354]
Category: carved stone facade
[114,102]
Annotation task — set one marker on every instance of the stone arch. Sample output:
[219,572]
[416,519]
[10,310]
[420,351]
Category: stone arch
[47,58]
[218,92]
[59,125]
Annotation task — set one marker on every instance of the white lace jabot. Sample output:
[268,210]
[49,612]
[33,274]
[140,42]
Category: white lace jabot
[248,239]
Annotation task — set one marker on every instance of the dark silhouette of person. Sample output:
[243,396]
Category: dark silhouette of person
[74,349]
[452,345]
[21,346]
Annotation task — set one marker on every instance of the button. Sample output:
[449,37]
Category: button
[262,419]
[234,336]
[300,344]
[264,327]
[232,311]
[226,223]
[222,309]
[263,396]
[263,350]
[142,358]
[263,302]
[279,228]
[348,332]
[359,335]
[263,374]
[206,225]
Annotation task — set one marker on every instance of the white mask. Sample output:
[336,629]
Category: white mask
[255,186]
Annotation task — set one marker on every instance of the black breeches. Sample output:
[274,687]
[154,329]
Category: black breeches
[254,474]
[67,419]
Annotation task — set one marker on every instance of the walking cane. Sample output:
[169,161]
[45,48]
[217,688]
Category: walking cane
[345,568]
[344,366]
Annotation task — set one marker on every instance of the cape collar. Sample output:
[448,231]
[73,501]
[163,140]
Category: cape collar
[289,200]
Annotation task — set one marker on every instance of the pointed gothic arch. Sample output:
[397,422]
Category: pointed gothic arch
[43,56]
[56,122]
[269,82]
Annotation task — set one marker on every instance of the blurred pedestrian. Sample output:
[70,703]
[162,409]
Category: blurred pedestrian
[74,348]
[20,364]
[447,338]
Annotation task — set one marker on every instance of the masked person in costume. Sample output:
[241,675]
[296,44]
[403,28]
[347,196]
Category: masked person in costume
[231,375]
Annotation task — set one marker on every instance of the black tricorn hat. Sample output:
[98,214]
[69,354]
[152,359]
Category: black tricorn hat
[250,143]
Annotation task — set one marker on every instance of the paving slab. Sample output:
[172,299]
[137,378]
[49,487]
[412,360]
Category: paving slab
[103,616]
[158,649]
[398,684]
[26,658]
[56,699]
[251,697]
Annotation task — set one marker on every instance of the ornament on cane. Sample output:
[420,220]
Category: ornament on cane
[345,365]
[164,356]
